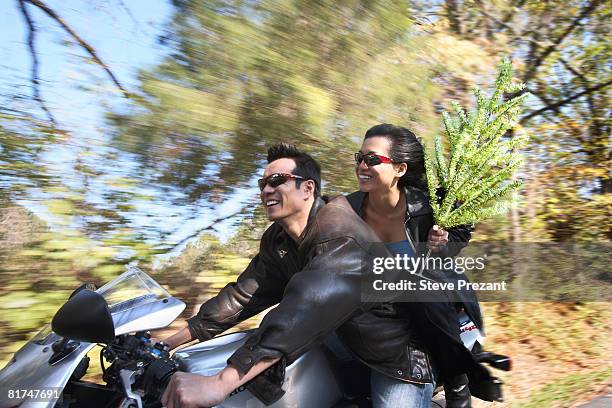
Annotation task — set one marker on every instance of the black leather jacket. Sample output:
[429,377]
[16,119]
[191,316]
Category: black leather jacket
[316,284]
[418,223]
[437,322]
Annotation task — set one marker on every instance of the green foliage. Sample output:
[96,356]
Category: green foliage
[243,76]
[22,142]
[476,175]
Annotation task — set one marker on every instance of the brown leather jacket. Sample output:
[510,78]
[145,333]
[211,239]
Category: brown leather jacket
[317,286]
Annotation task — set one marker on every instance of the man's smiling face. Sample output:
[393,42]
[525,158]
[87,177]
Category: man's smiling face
[287,198]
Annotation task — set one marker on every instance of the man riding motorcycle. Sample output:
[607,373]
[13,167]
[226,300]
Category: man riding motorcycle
[310,263]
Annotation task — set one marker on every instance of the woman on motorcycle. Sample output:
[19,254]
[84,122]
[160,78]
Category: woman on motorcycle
[393,200]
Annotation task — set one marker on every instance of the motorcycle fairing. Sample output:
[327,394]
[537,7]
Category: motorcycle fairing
[30,370]
[309,381]
[136,302]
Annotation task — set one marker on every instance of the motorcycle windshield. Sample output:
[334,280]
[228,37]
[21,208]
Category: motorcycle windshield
[132,288]
[137,302]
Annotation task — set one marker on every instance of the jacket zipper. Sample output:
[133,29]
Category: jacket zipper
[408,235]
[421,273]
[409,238]
[412,243]
[410,362]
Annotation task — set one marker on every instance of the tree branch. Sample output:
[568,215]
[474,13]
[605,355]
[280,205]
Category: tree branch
[565,101]
[497,21]
[452,12]
[573,70]
[540,95]
[128,12]
[560,116]
[80,41]
[211,225]
[588,9]
[32,46]
[511,13]
[513,33]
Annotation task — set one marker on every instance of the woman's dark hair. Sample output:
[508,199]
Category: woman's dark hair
[405,148]
[305,165]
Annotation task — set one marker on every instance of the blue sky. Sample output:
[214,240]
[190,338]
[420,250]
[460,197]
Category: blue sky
[125,41]
[79,93]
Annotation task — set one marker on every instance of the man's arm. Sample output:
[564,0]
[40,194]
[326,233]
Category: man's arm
[257,288]
[180,337]
[316,300]
[321,297]
[187,390]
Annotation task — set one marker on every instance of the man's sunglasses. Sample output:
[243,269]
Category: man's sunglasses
[371,159]
[276,179]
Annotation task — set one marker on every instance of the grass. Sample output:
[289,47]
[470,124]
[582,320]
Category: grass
[569,390]
[552,331]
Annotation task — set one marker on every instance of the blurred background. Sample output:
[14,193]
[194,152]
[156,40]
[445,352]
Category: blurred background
[134,130]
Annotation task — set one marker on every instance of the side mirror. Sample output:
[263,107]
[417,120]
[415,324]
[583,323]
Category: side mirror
[85,317]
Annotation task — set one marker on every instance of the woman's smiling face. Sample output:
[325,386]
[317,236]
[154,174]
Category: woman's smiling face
[383,176]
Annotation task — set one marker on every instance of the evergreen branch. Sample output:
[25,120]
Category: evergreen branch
[432,184]
[472,208]
[481,164]
[440,161]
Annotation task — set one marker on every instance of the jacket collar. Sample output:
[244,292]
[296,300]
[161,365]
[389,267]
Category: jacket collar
[417,201]
[318,203]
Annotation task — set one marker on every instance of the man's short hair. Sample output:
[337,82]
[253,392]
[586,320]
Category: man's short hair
[305,165]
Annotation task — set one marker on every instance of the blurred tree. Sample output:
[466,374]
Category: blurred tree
[244,75]
[22,142]
[24,8]
[563,55]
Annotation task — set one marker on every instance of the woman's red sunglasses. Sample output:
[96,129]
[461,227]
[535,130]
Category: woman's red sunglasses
[371,159]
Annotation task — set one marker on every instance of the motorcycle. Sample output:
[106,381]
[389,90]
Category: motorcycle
[48,370]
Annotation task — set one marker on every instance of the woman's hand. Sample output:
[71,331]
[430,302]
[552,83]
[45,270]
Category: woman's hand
[437,239]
